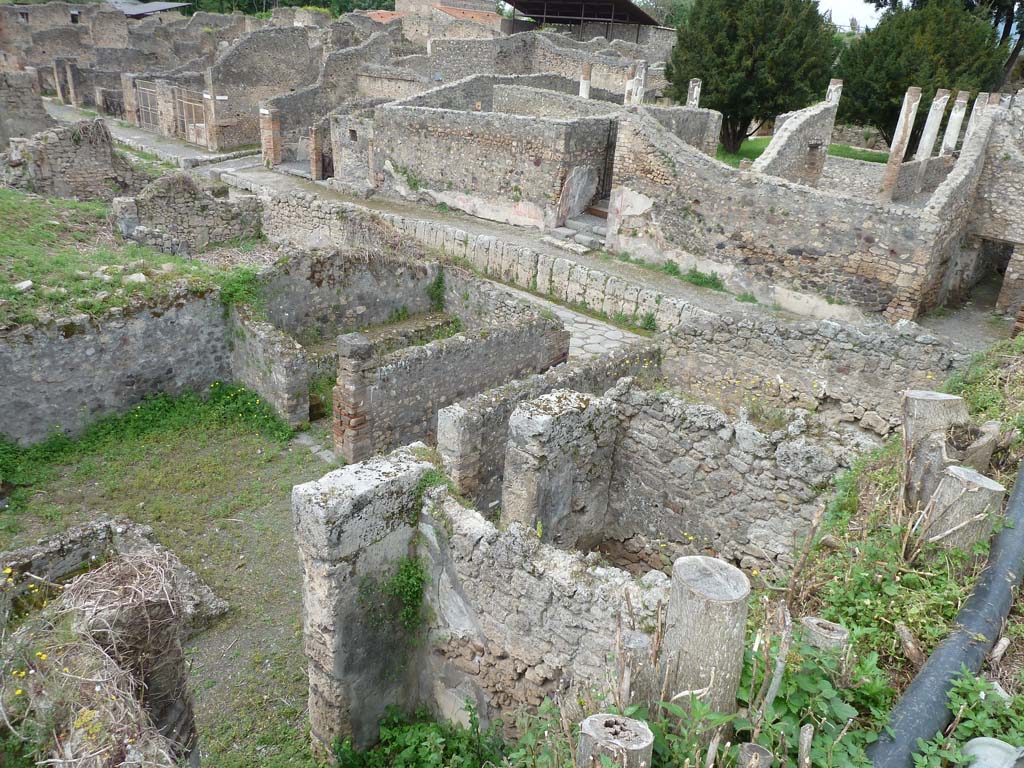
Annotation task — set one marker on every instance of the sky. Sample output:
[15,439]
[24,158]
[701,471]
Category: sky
[844,10]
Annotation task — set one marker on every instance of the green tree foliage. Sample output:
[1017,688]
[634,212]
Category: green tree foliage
[940,45]
[757,58]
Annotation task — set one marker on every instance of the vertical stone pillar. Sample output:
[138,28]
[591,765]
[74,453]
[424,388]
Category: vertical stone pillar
[131,106]
[706,627]
[693,93]
[353,422]
[270,136]
[956,120]
[556,478]
[636,85]
[834,92]
[1011,295]
[166,109]
[900,139]
[627,98]
[585,75]
[316,154]
[994,99]
[354,526]
[76,92]
[60,78]
[928,137]
[976,110]
[932,124]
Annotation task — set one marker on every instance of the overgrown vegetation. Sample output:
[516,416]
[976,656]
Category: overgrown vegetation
[76,266]
[435,292]
[751,149]
[693,276]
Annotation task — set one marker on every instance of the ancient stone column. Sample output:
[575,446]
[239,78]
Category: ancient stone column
[585,75]
[979,106]
[131,115]
[625,742]
[706,626]
[928,137]
[956,119]
[834,92]
[900,140]
[963,509]
[693,93]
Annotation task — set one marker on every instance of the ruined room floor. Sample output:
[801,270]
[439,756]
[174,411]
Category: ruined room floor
[220,499]
[974,324]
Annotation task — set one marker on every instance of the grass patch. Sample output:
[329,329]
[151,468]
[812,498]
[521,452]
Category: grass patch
[856,153]
[751,149]
[993,383]
[747,298]
[147,163]
[213,477]
[76,265]
[693,276]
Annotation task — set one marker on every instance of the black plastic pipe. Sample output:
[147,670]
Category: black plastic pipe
[922,710]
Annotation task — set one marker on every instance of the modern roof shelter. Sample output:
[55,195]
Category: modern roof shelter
[136,10]
[580,11]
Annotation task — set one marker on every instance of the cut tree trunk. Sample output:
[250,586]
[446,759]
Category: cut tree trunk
[638,678]
[626,742]
[926,412]
[754,756]
[825,634]
[706,624]
[963,508]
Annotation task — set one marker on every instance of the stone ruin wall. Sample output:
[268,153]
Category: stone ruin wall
[799,148]
[820,365]
[64,375]
[472,433]
[383,403]
[760,231]
[21,109]
[77,161]
[176,215]
[511,619]
[699,128]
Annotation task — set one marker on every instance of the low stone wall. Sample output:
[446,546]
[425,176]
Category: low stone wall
[510,620]
[827,366]
[472,434]
[857,178]
[383,403]
[21,110]
[176,215]
[270,362]
[63,376]
[698,127]
[798,149]
[70,161]
[582,470]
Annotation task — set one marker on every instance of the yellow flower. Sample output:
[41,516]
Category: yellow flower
[18,692]
[43,656]
[7,570]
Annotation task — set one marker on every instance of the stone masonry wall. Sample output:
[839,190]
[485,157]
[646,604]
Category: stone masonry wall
[64,376]
[690,474]
[472,434]
[858,373]
[790,243]
[511,620]
[383,403]
[994,214]
[268,361]
[69,161]
[857,178]
[697,127]
[21,109]
[798,149]
[175,214]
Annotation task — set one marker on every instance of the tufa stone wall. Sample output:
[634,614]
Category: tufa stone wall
[21,110]
[63,376]
[698,127]
[380,403]
[76,161]
[270,362]
[799,148]
[994,214]
[859,374]
[176,215]
[472,434]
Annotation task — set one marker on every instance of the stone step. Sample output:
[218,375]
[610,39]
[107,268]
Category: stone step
[566,233]
[589,240]
[577,225]
[599,208]
[564,245]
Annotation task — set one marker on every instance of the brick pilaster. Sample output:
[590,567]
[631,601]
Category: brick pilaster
[353,435]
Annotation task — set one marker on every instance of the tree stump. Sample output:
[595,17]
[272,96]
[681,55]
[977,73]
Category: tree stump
[638,677]
[705,631]
[825,634]
[628,742]
[926,412]
[963,506]
[754,756]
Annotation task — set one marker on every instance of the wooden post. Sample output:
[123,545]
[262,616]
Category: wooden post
[706,627]
[629,743]
[638,679]
[963,506]
[804,753]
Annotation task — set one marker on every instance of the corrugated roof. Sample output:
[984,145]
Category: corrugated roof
[575,11]
[131,8]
